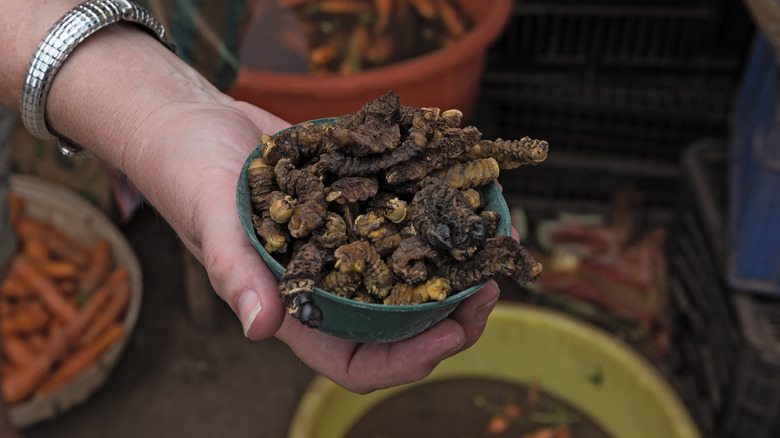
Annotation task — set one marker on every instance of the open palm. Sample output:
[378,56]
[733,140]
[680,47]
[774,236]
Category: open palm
[211,142]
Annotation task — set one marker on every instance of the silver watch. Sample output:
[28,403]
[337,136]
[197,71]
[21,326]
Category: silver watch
[70,30]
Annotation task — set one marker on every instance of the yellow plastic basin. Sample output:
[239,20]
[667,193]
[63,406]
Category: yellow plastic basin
[574,361]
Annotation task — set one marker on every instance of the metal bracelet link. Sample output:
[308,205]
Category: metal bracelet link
[67,33]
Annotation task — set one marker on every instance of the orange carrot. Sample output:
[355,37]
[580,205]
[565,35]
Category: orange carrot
[511,410]
[80,360]
[13,287]
[120,298]
[17,351]
[425,8]
[497,424]
[44,287]
[15,208]
[563,432]
[67,287]
[451,20]
[293,3]
[55,326]
[70,335]
[20,383]
[38,343]
[343,7]
[384,9]
[7,307]
[545,432]
[60,269]
[64,247]
[98,268]
[28,317]
[28,227]
[35,250]
[322,54]
[62,340]
[6,368]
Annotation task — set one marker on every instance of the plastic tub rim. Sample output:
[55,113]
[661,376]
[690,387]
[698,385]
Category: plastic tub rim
[320,388]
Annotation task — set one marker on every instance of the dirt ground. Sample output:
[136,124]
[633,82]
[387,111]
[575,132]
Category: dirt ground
[177,379]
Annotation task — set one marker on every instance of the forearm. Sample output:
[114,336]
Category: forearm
[108,91]
[107,86]
[22,25]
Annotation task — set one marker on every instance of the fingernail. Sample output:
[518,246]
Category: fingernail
[483,312]
[248,308]
[452,352]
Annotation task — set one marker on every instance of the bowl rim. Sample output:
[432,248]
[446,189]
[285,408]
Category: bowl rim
[321,391]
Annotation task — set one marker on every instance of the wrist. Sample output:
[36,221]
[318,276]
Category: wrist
[111,83]
[65,36]
[22,28]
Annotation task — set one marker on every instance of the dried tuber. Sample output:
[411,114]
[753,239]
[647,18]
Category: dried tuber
[296,285]
[444,217]
[510,154]
[360,257]
[385,206]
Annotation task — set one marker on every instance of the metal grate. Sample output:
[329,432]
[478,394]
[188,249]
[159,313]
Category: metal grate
[707,344]
[628,125]
[681,37]
[755,398]
[618,88]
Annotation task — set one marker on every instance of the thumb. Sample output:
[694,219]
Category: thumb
[239,275]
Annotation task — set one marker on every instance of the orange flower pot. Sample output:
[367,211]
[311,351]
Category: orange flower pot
[445,78]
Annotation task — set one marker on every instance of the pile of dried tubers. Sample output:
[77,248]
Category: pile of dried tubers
[383,206]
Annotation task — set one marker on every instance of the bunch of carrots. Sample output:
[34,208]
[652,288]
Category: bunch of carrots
[505,414]
[61,305]
[348,36]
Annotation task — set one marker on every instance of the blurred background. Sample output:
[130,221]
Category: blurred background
[655,214]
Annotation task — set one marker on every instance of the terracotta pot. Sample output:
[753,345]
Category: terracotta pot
[446,78]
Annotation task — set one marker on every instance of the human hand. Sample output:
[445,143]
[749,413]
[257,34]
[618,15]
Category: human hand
[363,368]
[239,276]
[183,143]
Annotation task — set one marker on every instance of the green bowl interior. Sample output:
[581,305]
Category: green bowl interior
[367,322]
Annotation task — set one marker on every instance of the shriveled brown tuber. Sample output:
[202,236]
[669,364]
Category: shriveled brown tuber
[296,285]
[385,206]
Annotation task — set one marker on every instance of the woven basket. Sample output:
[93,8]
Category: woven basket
[86,223]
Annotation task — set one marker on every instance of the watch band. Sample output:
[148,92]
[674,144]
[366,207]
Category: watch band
[67,33]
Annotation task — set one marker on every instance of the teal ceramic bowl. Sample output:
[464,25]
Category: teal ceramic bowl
[365,322]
